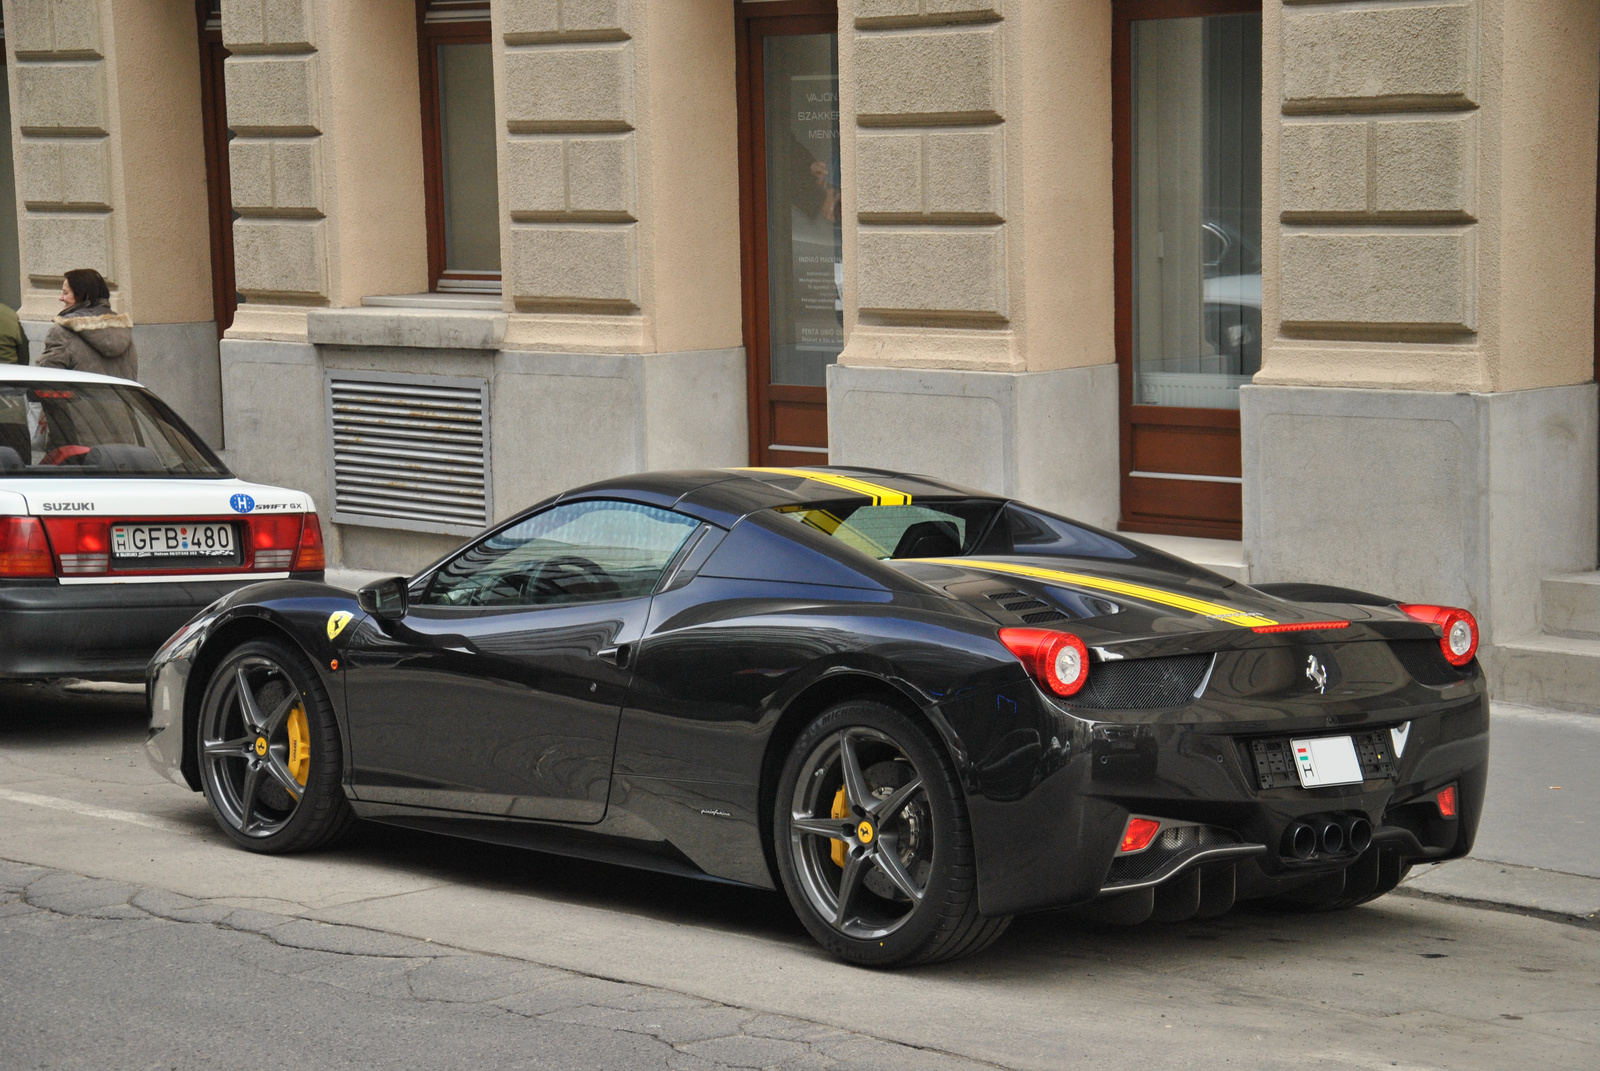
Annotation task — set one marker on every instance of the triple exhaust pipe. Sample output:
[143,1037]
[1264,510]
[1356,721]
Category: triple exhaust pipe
[1330,835]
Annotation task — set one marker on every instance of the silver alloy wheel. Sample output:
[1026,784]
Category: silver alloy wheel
[886,829]
[245,747]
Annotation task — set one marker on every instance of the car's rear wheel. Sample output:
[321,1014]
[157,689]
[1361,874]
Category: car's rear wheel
[873,842]
[269,751]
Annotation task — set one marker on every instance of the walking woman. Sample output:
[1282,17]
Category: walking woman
[87,335]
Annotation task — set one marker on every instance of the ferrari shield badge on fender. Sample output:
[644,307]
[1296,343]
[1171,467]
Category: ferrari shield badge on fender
[337,621]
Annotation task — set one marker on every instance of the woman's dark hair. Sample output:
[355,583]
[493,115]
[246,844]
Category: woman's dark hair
[89,287]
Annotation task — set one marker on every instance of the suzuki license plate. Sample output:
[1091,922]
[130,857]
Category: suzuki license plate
[1326,760]
[181,540]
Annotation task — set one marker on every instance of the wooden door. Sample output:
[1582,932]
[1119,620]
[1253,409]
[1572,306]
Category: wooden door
[219,190]
[790,212]
[1186,123]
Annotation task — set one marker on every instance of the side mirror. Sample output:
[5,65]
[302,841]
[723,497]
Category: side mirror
[387,599]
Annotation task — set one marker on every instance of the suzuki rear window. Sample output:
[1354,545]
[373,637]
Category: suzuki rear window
[98,430]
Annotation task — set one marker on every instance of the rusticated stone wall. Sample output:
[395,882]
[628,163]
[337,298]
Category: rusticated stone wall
[102,182]
[326,160]
[619,175]
[62,108]
[1429,171]
[570,155]
[275,158]
[977,151]
[110,174]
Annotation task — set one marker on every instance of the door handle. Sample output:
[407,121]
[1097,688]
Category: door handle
[617,655]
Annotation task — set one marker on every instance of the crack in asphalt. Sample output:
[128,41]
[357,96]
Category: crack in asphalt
[694,1034]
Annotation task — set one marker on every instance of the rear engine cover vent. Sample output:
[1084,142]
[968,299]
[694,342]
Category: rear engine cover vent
[1144,683]
[409,451]
[1030,610]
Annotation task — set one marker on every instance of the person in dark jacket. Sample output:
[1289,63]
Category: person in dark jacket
[87,335]
[13,343]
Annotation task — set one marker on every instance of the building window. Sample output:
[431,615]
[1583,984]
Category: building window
[1196,134]
[459,145]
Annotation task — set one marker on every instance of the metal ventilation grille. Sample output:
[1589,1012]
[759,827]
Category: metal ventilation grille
[1144,683]
[1032,611]
[409,451]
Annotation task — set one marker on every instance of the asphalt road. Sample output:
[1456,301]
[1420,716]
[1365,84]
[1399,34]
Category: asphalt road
[132,934]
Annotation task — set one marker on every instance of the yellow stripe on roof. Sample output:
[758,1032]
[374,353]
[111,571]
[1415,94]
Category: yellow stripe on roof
[880,495]
[1212,610]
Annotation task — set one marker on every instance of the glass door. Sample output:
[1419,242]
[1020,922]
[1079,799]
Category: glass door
[793,237]
[1187,119]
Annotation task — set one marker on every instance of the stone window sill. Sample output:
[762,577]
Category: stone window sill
[413,321]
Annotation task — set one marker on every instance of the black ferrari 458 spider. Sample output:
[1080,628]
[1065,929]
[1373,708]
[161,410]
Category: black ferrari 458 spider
[917,709]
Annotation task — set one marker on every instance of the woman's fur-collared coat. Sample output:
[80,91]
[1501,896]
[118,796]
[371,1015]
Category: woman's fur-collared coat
[92,339]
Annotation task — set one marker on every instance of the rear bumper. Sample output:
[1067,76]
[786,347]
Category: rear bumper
[1047,821]
[99,631]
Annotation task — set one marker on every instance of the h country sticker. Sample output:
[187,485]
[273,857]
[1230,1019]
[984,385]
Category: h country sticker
[337,621]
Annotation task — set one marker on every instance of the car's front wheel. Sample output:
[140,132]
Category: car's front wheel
[269,751]
[873,842]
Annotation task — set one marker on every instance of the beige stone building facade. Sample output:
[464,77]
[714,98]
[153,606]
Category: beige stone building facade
[1313,282]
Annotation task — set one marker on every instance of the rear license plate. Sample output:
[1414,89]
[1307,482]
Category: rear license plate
[1326,760]
[181,540]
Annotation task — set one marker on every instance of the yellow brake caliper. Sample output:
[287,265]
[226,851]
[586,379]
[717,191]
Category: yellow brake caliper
[840,809]
[299,745]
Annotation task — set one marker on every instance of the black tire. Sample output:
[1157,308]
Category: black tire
[252,753]
[909,867]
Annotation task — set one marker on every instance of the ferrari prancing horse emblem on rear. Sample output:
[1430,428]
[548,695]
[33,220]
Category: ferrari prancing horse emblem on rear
[1316,673]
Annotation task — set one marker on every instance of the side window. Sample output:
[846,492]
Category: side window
[576,552]
[1024,531]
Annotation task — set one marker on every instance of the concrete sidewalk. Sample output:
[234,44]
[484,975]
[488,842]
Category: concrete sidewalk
[1537,846]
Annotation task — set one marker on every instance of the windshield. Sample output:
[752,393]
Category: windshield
[928,529]
[95,430]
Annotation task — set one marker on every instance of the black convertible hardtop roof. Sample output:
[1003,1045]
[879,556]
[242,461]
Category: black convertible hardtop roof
[723,496]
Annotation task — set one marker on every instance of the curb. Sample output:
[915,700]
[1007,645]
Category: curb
[1553,893]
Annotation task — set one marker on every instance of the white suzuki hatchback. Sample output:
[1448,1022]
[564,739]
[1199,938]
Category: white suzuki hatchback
[118,524]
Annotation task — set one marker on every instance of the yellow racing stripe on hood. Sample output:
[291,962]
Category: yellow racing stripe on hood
[1212,610]
[880,495]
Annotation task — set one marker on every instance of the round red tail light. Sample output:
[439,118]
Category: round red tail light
[1057,660]
[1458,630]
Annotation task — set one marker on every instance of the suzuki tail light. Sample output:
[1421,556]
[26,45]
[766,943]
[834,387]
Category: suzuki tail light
[309,557]
[1057,660]
[24,550]
[1458,630]
[83,545]
[274,542]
